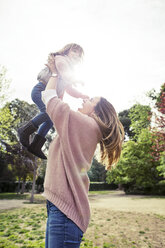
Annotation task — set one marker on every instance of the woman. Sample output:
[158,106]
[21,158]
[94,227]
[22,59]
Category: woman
[70,155]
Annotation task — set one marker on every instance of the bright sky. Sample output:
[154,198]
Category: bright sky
[124,44]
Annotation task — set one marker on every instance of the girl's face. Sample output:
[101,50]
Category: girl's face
[74,55]
[89,105]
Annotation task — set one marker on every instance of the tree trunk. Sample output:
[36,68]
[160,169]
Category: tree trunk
[34,181]
[23,186]
[120,187]
[18,187]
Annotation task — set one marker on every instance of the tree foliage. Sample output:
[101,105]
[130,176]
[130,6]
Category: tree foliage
[126,122]
[159,131]
[140,116]
[12,115]
[136,166]
[4,85]
[136,170]
[97,173]
[160,100]
[17,162]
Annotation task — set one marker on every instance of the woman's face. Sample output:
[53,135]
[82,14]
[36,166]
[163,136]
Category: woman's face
[89,105]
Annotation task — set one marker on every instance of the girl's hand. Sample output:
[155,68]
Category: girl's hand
[51,64]
[84,96]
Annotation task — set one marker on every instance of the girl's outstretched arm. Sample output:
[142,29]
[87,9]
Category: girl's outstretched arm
[52,83]
[75,93]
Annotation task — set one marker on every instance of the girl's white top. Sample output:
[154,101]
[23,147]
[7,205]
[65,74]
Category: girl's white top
[65,71]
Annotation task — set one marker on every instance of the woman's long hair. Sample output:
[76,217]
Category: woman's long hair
[112,132]
[72,46]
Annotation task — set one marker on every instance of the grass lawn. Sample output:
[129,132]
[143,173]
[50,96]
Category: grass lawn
[26,196]
[25,227]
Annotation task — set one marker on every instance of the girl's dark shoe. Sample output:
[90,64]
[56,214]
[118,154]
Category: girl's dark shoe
[25,132]
[36,145]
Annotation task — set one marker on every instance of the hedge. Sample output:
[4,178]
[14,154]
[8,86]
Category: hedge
[158,189]
[96,186]
[6,186]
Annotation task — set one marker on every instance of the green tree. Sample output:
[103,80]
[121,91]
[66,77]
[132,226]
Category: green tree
[5,171]
[16,159]
[136,168]
[140,116]
[15,162]
[6,119]
[21,164]
[126,122]
[12,115]
[159,131]
[161,167]
[97,173]
[4,86]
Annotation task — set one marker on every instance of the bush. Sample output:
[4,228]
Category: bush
[39,184]
[96,186]
[7,186]
[158,189]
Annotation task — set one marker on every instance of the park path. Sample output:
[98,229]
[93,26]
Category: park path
[116,200]
[8,204]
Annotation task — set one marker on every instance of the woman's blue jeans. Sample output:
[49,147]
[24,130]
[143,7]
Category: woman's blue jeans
[61,232]
[42,119]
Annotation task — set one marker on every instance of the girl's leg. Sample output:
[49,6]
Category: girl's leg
[25,131]
[45,127]
[43,116]
[36,96]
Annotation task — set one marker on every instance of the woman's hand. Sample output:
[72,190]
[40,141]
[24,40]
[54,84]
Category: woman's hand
[51,63]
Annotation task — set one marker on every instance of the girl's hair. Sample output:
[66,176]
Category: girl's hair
[72,46]
[112,131]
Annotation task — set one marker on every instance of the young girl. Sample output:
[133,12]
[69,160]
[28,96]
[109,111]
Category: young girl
[65,59]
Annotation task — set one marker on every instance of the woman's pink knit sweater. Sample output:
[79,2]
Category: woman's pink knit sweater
[70,155]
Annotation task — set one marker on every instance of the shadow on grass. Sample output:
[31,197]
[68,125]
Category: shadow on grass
[13,196]
[38,199]
[147,197]
[35,201]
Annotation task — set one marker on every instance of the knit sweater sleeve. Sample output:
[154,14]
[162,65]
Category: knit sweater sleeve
[69,122]
[58,112]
